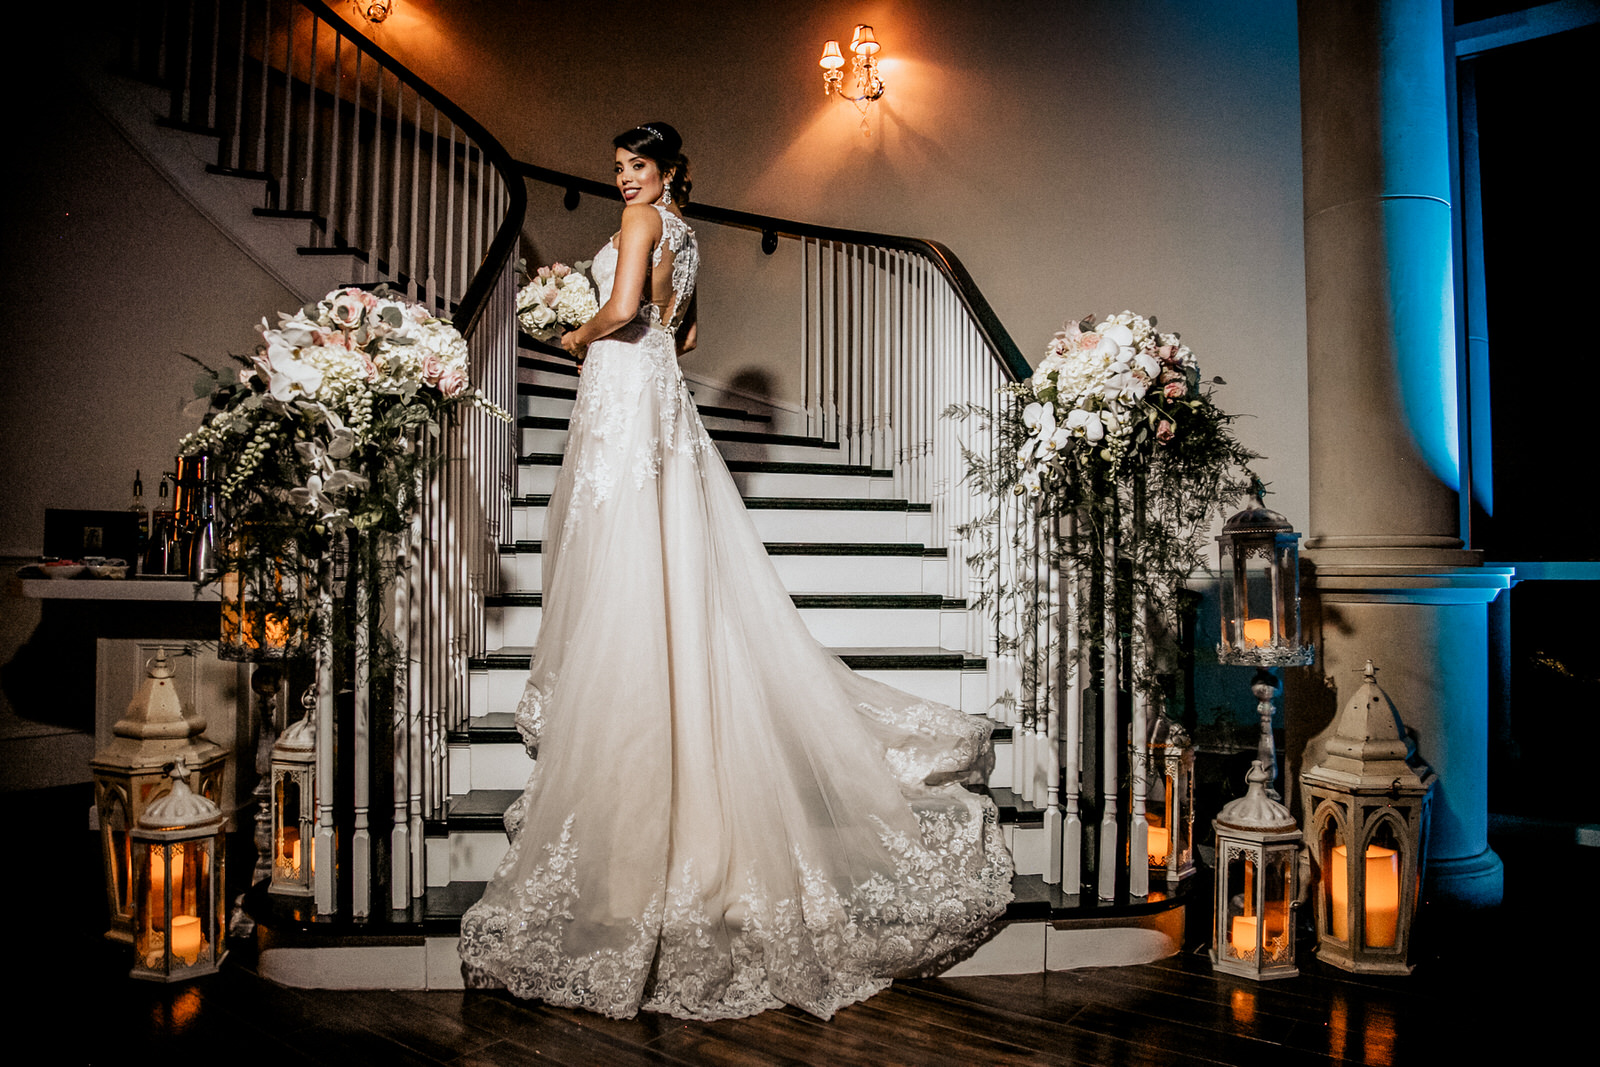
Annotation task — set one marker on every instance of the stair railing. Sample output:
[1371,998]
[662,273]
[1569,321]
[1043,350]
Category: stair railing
[387,172]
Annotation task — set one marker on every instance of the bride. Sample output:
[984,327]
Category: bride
[722,817]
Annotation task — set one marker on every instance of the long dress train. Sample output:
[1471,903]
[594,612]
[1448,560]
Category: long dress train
[722,816]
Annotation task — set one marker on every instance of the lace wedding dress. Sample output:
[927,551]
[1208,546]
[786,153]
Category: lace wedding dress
[722,817]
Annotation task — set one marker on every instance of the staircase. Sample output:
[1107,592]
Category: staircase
[859,512]
[856,563]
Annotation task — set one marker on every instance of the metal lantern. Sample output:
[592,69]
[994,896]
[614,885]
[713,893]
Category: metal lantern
[179,925]
[1257,885]
[294,810]
[1259,556]
[1368,802]
[130,773]
[1170,808]
[259,607]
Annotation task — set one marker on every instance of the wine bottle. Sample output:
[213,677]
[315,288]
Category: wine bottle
[142,515]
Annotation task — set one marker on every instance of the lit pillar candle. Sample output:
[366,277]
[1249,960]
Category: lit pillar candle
[1160,842]
[1383,896]
[1242,935]
[1258,632]
[186,938]
[1381,908]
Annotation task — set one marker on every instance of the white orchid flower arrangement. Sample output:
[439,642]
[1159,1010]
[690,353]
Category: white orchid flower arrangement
[1108,392]
[318,428]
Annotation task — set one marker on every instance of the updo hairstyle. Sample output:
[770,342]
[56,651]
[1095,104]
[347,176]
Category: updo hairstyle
[662,145]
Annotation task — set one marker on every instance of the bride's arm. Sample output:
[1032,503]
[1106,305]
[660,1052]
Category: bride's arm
[641,229]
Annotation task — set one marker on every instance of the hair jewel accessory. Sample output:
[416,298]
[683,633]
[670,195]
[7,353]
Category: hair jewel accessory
[653,132]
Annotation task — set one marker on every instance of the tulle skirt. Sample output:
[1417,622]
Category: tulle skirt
[722,817]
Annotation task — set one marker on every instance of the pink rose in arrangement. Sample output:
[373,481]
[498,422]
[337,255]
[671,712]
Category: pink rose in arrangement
[432,369]
[453,382]
[347,308]
[1165,432]
[1175,390]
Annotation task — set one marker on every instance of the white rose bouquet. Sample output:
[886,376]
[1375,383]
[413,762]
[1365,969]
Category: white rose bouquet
[557,298]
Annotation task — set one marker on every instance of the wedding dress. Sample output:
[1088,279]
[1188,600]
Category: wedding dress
[722,817]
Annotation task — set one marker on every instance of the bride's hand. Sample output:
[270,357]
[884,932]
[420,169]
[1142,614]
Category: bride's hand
[573,348]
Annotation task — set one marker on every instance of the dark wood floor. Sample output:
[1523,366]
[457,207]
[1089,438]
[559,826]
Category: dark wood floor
[1520,969]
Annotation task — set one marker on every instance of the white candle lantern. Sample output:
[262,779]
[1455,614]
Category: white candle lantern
[294,812]
[179,925]
[1368,800]
[130,774]
[1257,885]
[1170,806]
[1259,557]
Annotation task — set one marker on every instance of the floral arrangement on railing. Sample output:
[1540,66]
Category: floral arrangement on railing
[321,432]
[557,298]
[1117,428]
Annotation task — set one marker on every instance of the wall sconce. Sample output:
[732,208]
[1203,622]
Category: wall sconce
[374,10]
[868,85]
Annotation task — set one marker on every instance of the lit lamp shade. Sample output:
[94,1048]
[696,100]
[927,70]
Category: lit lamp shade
[1257,883]
[1369,800]
[178,889]
[864,43]
[1259,563]
[831,59]
[293,777]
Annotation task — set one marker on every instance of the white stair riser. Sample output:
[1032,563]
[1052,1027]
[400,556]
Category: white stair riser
[518,624]
[485,765]
[802,526]
[535,479]
[1000,777]
[1029,848]
[474,854]
[522,572]
[560,407]
[490,691]
[536,439]
[850,574]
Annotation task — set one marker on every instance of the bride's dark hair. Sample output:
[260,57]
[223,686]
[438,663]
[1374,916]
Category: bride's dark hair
[660,143]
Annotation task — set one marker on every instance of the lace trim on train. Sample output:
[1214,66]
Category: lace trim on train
[820,949]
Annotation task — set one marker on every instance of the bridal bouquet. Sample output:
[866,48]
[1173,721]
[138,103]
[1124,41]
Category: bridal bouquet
[320,425]
[556,299]
[1107,391]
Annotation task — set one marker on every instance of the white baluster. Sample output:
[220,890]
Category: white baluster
[1076,663]
[1110,726]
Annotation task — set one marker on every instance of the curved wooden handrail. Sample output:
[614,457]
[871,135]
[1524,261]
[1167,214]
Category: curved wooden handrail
[473,302]
[942,258]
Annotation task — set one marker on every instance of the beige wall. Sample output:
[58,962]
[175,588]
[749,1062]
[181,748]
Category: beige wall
[1080,156]
[110,274]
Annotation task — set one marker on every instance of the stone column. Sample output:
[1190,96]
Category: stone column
[1385,561]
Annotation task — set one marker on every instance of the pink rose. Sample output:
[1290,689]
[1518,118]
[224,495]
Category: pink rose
[1089,341]
[1175,390]
[432,369]
[1165,432]
[347,308]
[452,382]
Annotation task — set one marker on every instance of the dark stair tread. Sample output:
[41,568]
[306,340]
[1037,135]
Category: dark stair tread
[777,503]
[862,601]
[796,548]
[910,657]
[760,437]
